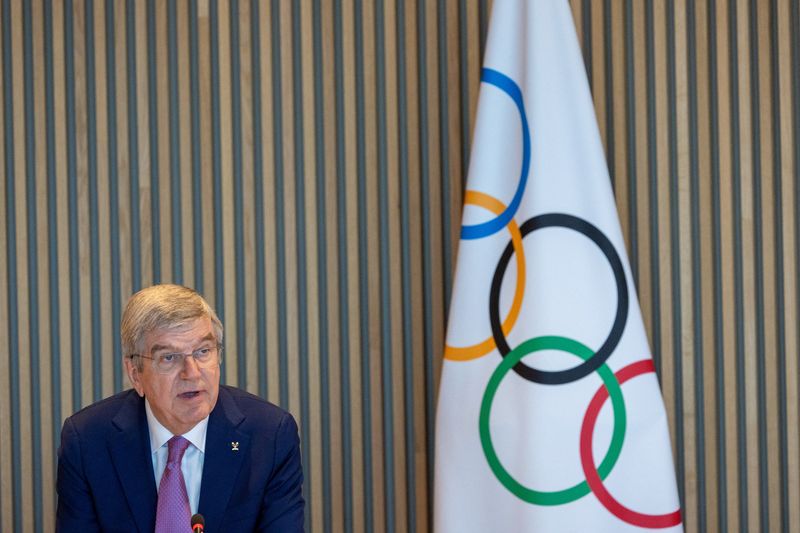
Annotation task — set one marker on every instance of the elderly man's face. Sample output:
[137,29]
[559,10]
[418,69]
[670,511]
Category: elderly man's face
[186,395]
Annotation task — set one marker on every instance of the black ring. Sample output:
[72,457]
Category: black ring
[590,365]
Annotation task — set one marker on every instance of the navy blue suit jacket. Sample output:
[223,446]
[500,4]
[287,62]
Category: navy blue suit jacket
[105,470]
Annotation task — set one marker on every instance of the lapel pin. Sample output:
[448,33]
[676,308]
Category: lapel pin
[235,446]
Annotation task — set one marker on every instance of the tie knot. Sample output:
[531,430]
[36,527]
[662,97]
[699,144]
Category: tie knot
[177,446]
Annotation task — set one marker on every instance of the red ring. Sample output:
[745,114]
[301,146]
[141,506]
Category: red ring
[590,469]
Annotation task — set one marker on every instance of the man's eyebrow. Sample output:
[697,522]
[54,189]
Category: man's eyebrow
[168,347]
[160,347]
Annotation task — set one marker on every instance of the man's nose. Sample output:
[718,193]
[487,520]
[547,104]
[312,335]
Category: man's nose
[190,366]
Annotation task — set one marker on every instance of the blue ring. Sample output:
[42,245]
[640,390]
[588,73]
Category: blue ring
[508,86]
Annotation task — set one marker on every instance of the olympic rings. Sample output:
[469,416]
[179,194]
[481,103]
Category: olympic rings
[467,353]
[595,477]
[617,402]
[591,361]
[594,362]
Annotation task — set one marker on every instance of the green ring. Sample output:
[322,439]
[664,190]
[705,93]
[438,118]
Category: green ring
[618,404]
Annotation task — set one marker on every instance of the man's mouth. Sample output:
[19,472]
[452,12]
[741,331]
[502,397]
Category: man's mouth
[188,395]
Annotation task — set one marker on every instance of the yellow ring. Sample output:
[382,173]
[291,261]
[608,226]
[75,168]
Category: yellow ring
[467,353]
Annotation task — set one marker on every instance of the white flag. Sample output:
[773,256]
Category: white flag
[550,416]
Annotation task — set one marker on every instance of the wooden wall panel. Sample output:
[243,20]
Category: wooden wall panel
[302,164]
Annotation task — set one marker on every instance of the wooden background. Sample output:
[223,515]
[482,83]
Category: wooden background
[302,165]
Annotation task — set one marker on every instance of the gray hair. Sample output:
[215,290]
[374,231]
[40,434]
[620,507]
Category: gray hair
[162,307]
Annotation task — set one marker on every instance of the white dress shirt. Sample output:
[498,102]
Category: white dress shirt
[192,463]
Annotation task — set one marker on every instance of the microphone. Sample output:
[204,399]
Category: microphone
[198,523]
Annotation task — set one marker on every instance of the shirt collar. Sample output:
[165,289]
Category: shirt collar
[160,435]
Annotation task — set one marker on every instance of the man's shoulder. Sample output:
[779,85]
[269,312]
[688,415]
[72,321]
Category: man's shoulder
[98,416]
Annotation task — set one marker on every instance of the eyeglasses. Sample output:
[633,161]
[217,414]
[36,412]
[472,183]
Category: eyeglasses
[166,363]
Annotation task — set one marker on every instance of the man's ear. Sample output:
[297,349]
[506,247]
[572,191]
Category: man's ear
[134,375]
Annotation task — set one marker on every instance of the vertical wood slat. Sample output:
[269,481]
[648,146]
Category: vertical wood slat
[326,370]
[111,200]
[303,164]
[7,494]
[132,160]
[18,312]
[187,255]
[789,89]
[6,490]
[160,109]
[780,500]
[49,291]
[719,436]
[345,257]
[31,404]
[58,223]
[703,271]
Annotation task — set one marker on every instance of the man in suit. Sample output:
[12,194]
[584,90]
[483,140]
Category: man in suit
[178,443]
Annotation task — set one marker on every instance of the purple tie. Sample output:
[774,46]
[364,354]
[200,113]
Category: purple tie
[173,514]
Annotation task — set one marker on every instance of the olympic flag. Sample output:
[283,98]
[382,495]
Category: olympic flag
[550,416]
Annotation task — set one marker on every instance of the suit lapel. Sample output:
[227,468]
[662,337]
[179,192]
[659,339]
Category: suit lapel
[226,449]
[130,453]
